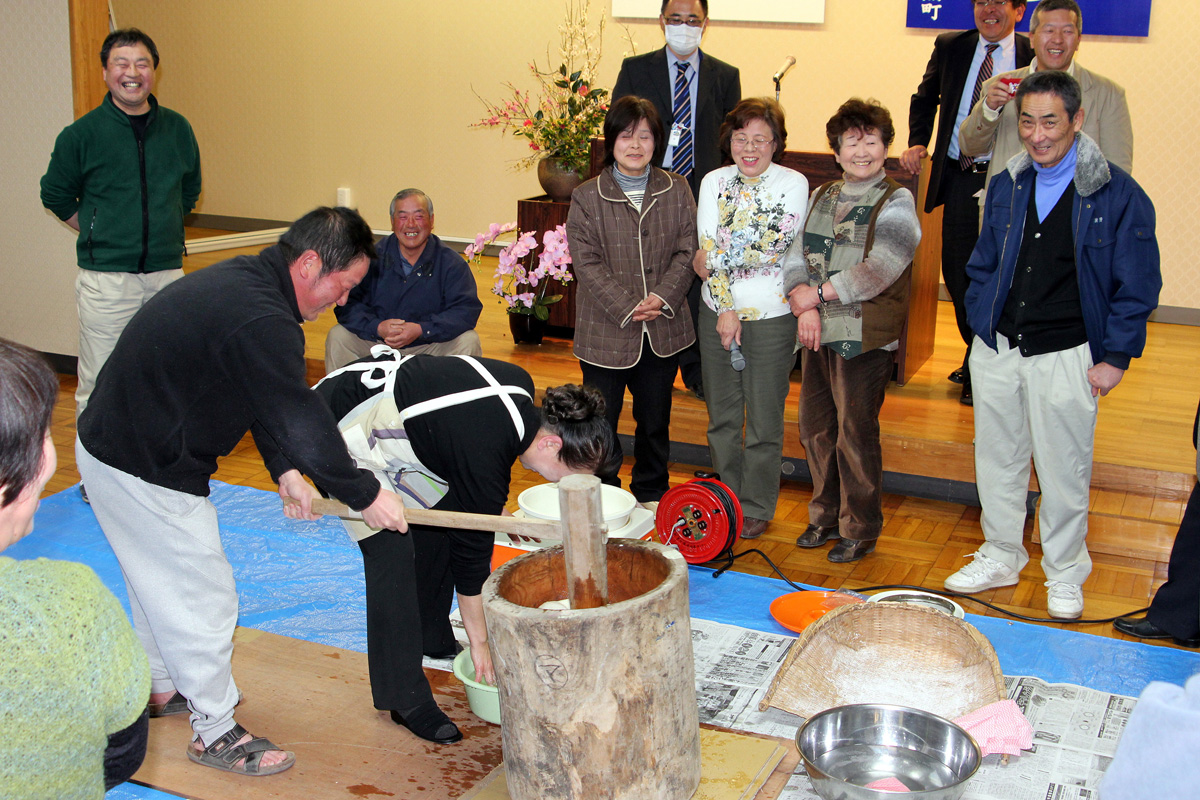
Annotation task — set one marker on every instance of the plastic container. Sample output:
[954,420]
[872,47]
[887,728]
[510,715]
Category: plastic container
[483,699]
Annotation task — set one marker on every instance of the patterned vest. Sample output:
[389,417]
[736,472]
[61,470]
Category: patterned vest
[851,329]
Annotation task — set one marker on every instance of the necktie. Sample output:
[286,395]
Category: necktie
[985,72]
[681,156]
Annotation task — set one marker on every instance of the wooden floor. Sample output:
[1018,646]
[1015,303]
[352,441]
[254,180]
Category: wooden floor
[1142,441]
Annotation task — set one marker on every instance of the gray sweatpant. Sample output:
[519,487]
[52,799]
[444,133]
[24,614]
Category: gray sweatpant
[181,587]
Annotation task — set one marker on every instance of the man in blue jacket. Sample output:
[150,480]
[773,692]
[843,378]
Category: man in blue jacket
[1063,279]
[418,297]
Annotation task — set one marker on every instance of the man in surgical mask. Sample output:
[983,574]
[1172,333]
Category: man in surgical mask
[692,92]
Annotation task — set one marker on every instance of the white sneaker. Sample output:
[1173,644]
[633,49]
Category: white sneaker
[1064,600]
[982,573]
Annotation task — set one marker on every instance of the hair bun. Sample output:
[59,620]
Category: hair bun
[574,403]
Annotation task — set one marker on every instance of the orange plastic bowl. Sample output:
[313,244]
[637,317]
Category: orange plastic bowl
[798,610]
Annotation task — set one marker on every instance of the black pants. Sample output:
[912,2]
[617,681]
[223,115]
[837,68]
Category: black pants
[1176,604]
[960,231]
[393,622]
[649,382]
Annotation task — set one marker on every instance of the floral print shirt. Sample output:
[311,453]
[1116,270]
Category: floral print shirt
[745,226]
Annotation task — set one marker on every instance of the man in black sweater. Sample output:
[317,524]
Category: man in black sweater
[213,355]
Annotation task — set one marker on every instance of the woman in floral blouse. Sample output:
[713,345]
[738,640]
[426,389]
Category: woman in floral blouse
[748,214]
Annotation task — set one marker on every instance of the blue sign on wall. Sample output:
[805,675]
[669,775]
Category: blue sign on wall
[1100,17]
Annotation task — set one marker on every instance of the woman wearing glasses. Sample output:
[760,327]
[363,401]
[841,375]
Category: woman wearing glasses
[748,214]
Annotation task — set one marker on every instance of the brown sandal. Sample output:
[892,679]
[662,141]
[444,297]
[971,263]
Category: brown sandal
[224,754]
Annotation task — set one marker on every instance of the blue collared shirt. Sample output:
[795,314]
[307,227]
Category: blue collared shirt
[1003,60]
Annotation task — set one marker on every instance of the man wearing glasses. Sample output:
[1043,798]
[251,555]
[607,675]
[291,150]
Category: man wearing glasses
[692,92]
[961,62]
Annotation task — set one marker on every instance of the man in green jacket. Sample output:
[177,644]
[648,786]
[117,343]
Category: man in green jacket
[123,175]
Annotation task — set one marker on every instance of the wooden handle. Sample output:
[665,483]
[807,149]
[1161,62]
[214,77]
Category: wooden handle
[536,528]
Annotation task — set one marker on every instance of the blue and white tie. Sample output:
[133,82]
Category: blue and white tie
[681,155]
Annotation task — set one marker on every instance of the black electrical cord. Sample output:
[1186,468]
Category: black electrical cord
[957,595]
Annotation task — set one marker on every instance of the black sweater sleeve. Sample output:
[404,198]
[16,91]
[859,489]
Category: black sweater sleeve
[293,427]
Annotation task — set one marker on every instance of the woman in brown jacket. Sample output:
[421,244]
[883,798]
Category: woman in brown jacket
[632,233]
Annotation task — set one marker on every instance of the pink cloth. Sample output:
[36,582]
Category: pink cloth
[999,728]
[887,785]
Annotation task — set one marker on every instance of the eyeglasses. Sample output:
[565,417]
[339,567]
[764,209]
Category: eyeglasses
[691,22]
[745,141]
[992,3]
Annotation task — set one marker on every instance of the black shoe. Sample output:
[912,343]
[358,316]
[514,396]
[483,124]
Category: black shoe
[458,648]
[966,398]
[697,389]
[1145,629]
[430,723]
[712,476]
[815,536]
[847,550]
[956,376]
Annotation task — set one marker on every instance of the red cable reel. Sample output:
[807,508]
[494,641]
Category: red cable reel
[701,517]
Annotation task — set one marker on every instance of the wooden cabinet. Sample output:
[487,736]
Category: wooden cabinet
[540,214]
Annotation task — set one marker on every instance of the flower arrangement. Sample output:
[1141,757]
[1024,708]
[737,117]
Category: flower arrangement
[513,274]
[567,111]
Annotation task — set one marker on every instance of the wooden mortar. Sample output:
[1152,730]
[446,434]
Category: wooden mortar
[597,702]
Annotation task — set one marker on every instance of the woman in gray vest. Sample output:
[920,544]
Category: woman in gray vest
[847,278]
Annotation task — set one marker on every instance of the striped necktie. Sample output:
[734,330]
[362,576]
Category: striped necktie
[681,109]
[985,72]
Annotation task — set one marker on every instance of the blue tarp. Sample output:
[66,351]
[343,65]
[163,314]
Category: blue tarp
[304,580]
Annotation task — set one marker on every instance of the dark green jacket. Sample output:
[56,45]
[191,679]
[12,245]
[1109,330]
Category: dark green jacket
[131,202]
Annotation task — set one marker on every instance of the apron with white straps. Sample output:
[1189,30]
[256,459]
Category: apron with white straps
[375,436]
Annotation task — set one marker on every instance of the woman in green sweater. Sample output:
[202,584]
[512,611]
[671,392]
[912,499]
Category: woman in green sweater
[73,677]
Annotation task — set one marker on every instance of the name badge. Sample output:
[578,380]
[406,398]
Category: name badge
[676,135]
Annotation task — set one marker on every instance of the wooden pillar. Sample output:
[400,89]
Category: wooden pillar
[89,26]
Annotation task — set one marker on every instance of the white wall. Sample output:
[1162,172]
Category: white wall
[37,252]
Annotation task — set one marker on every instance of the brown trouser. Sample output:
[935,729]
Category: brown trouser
[839,426]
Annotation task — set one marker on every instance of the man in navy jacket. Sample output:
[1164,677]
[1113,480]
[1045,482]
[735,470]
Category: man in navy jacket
[418,297]
[1063,279]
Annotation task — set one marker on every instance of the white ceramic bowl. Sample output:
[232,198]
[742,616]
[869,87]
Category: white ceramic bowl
[541,502]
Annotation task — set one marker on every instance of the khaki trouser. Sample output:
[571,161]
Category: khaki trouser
[342,347]
[1040,405]
[106,302]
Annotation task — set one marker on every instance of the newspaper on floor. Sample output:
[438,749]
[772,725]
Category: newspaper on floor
[1075,729]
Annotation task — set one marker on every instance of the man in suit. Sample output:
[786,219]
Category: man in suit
[948,91]
[692,92]
[1055,30]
